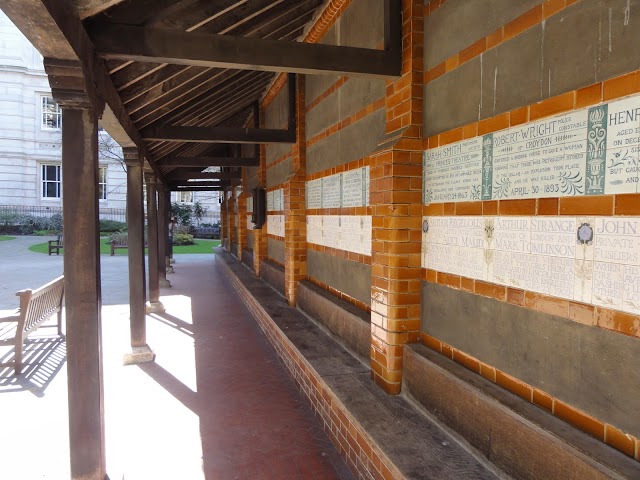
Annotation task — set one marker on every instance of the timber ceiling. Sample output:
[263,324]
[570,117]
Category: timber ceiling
[161,94]
[181,79]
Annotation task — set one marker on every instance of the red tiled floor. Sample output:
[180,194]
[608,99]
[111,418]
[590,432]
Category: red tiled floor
[253,421]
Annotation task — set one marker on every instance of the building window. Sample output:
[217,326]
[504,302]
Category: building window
[51,181]
[102,183]
[51,114]
[185,197]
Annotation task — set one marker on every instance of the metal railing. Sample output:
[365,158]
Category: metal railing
[8,212]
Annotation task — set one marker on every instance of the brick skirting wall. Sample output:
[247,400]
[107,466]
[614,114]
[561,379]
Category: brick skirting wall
[364,458]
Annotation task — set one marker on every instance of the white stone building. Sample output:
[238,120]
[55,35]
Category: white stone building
[30,139]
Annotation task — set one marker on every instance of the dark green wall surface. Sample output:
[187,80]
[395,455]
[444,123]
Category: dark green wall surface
[591,368]
[352,278]
[588,42]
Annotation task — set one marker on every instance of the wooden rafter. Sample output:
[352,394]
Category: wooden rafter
[223,51]
[209,162]
[217,135]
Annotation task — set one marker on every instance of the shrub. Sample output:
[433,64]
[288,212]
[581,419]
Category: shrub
[29,223]
[112,226]
[181,229]
[182,239]
[54,223]
[8,219]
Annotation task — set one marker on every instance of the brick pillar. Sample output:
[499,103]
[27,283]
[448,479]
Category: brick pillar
[242,216]
[223,218]
[295,213]
[231,216]
[260,236]
[396,200]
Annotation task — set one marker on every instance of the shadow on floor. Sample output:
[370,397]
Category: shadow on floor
[43,358]
[171,384]
[173,322]
[253,422]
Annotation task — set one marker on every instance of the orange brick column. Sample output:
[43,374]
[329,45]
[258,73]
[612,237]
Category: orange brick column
[223,218]
[231,216]
[396,200]
[242,218]
[295,214]
[260,236]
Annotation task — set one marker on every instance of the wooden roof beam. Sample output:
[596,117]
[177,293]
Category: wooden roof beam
[228,134]
[179,175]
[217,135]
[204,183]
[223,51]
[209,162]
[197,189]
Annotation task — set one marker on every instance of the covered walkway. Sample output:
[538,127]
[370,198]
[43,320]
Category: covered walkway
[460,211]
[216,403]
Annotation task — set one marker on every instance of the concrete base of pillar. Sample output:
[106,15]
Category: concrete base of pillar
[139,355]
[155,307]
[170,269]
[164,283]
[172,261]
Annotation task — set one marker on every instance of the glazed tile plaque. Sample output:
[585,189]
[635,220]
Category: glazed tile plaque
[593,151]
[347,189]
[593,260]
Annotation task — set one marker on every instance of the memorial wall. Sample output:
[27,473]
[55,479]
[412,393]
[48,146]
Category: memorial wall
[531,220]
[351,233]
[345,122]
[275,221]
[591,151]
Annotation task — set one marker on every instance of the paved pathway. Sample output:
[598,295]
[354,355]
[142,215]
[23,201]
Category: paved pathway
[216,404]
[21,268]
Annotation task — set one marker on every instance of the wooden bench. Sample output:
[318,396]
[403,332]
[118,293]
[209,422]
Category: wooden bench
[56,245]
[120,240]
[36,306]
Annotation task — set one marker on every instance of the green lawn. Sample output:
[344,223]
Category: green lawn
[200,246]
[6,237]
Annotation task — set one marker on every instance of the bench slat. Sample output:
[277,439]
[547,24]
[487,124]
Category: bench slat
[37,306]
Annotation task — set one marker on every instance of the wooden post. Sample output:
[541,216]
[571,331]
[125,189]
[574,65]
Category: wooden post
[163,236]
[82,287]
[140,351]
[152,244]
